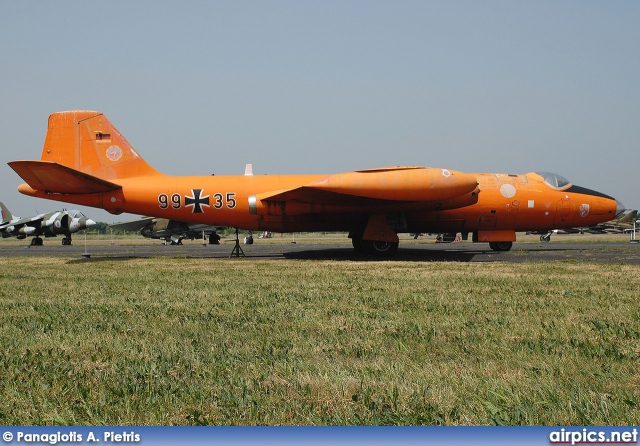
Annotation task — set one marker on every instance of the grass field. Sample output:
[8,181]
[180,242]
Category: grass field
[189,342]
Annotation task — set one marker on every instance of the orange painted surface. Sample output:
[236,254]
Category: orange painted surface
[86,155]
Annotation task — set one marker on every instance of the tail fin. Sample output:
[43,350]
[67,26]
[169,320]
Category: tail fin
[4,212]
[629,217]
[86,141]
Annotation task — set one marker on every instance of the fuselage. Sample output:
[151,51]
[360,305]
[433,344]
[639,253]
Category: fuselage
[505,202]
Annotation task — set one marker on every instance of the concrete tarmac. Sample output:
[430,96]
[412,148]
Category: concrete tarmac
[613,252]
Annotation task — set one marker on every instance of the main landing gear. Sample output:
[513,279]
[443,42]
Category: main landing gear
[376,248]
[380,249]
[500,246]
[36,241]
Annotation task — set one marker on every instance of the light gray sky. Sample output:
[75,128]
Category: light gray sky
[201,87]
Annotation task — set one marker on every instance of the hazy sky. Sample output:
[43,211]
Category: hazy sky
[332,86]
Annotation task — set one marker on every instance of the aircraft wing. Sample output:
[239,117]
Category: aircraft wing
[23,221]
[56,178]
[133,226]
[378,187]
[310,195]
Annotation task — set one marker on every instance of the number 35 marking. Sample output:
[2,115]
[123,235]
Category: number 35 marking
[218,200]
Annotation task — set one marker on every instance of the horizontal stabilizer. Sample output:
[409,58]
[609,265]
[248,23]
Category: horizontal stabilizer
[52,177]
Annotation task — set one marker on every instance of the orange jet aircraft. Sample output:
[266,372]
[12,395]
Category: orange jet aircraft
[86,161]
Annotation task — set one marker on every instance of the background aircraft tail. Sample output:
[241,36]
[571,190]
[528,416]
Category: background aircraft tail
[628,218]
[88,142]
[5,214]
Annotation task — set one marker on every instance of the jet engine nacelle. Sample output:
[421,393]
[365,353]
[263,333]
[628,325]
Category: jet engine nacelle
[58,223]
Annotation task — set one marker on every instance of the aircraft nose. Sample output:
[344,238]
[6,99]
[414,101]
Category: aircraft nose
[619,207]
[90,223]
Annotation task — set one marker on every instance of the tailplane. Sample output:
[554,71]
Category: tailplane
[88,142]
[5,214]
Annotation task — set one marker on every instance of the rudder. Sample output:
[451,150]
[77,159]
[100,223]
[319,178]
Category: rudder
[88,142]
[5,214]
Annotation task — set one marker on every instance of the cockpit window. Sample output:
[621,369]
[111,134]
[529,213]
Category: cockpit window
[554,180]
[75,214]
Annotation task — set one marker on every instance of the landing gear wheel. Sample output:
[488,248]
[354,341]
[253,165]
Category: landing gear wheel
[500,246]
[380,249]
[214,239]
[37,241]
[358,244]
[66,241]
[544,238]
[356,241]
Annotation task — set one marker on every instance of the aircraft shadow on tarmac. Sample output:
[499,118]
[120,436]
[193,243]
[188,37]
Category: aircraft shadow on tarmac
[519,255]
[407,255]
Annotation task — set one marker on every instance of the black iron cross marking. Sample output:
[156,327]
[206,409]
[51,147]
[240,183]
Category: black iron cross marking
[196,201]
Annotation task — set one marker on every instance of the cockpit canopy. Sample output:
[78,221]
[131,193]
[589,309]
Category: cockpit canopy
[75,213]
[554,180]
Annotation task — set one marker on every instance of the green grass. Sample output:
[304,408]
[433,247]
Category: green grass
[188,341]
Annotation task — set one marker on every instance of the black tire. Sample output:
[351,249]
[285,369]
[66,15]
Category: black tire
[501,246]
[358,244]
[356,241]
[380,249]
[544,238]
